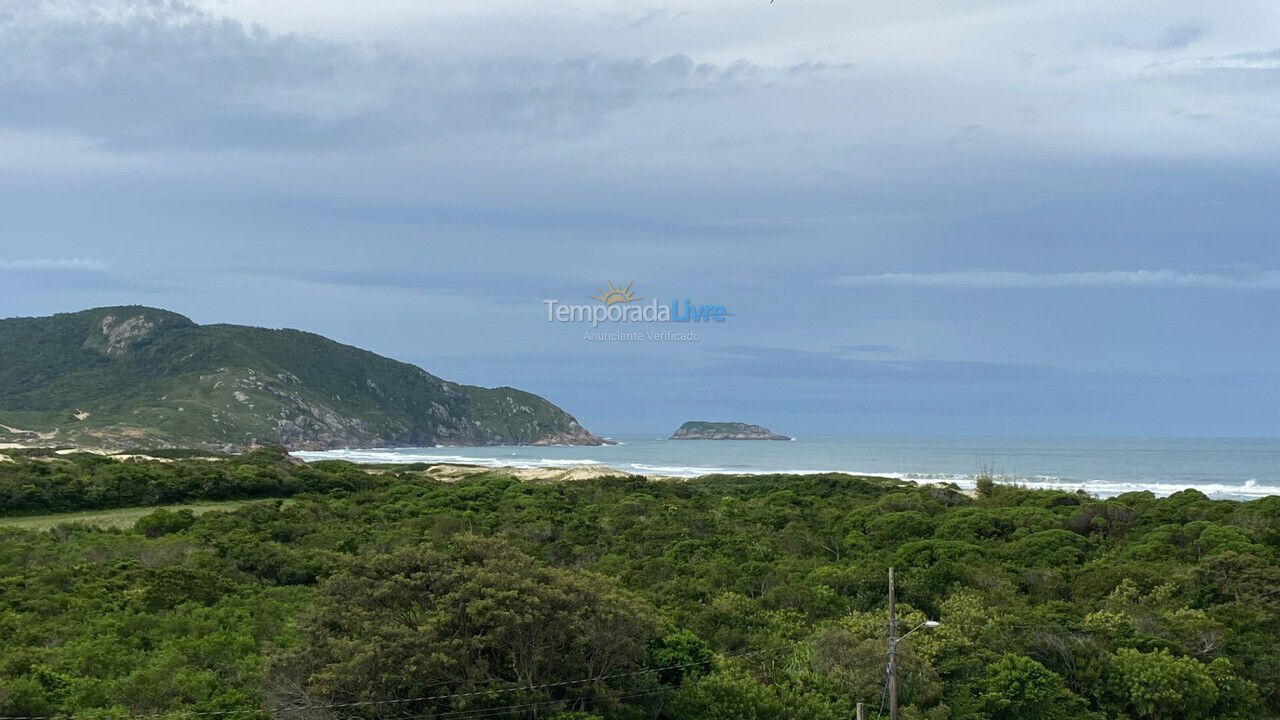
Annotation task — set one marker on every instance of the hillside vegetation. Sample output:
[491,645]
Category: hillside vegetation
[129,377]
[719,598]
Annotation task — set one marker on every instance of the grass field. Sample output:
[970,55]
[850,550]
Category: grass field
[119,517]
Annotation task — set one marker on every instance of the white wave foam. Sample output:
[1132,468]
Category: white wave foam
[1108,488]
[681,470]
[377,455]
[1104,488]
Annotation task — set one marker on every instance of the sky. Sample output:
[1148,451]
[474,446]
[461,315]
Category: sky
[1043,217]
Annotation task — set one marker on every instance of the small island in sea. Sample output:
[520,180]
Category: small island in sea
[700,430]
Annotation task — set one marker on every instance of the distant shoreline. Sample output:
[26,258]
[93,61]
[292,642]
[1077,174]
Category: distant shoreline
[660,458]
[959,466]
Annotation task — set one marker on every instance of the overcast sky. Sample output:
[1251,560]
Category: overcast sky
[1032,217]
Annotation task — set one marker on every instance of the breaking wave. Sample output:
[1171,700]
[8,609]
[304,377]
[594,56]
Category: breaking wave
[626,460]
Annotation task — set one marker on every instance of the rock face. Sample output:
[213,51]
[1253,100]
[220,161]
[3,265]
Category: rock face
[139,377]
[699,430]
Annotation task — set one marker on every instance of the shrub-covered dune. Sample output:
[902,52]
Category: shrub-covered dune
[714,598]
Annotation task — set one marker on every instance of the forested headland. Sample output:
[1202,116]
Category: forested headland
[384,592]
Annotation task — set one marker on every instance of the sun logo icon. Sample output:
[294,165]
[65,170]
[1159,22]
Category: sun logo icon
[611,295]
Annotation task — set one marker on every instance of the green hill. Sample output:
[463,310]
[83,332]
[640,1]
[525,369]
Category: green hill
[135,376]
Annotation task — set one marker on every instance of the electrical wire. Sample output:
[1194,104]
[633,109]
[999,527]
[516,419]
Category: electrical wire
[401,701]
[470,694]
[485,712]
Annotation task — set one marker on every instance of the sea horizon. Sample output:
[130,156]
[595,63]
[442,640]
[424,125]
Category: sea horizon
[1225,468]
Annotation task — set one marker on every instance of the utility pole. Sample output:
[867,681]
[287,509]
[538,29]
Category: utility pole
[893,653]
[860,716]
[891,687]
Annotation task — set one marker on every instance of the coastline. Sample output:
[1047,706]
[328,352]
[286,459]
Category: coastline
[1234,469]
[1104,468]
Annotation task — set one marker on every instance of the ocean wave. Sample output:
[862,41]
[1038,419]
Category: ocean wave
[391,456]
[1105,488]
[1098,487]
[681,470]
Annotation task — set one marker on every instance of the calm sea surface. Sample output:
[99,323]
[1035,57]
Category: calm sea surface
[1219,467]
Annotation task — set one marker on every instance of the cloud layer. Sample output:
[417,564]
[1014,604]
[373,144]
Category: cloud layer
[415,177]
[1110,279]
[45,264]
[136,74]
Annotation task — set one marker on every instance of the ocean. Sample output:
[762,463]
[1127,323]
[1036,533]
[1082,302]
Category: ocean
[1219,467]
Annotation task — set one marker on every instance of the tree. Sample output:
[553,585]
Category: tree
[728,694]
[1162,686]
[163,522]
[683,654]
[733,693]
[895,528]
[1019,688]
[481,616]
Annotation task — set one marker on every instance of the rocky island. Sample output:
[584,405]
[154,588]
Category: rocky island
[699,430]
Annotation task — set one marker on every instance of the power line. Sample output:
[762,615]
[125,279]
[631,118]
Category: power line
[475,693]
[484,712]
[528,688]
[425,698]
[884,693]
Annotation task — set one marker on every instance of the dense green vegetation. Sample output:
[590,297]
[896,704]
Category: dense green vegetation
[722,598]
[41,481]
[117,517]
[140,377]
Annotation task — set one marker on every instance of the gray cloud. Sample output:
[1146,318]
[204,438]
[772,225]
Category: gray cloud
[141,74]
[47,264]
[776,362]
[1176,37]
[1236,74]
[870,348]
[1271,57]
[1117,279]
[144,75]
